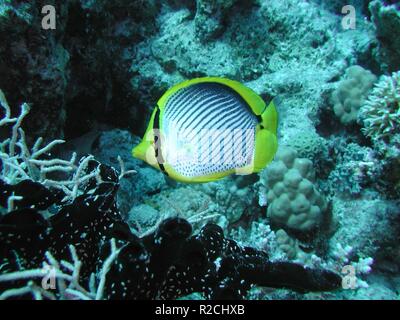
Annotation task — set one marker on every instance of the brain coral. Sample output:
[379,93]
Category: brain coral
[351,93]
[294,201]
[308,144]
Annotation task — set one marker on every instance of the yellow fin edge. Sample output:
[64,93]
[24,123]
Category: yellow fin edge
[265,148]
[270,118]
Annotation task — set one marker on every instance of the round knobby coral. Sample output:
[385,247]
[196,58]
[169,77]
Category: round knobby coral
[351,93]
[294,201]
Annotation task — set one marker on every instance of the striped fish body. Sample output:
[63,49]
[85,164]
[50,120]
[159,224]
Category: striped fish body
[207,128]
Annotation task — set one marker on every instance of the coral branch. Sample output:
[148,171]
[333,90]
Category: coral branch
[68,284]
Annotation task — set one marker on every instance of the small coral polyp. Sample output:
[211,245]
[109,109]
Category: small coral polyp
[294,201]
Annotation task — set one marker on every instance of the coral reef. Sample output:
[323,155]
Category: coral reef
[21,163]
[286,244]
[351,93]
[309,144]
[380,117]
[326,208]
[79,218]
[34,68]
[156,259]
[209,16]
[294,201]
[112,144]
[358,166]
[77,74]
[380,113]
[362,221]
[386,18]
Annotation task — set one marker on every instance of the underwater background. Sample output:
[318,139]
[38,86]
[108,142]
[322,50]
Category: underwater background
[77,90]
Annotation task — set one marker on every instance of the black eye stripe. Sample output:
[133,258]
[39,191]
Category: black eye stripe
[157,142]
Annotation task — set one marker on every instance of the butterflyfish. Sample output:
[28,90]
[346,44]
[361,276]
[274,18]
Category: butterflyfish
[205,129]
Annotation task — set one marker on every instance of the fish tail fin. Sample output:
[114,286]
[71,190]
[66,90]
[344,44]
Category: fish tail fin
[266,138]
[270,116]
[265,149]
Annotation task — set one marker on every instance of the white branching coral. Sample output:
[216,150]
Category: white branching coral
[341,260]
[380,114]
[353,269]
[66,278]
[19,162]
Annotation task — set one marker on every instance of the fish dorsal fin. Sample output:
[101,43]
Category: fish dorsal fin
[255,102]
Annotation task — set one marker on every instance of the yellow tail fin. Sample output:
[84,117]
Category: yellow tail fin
[270,117]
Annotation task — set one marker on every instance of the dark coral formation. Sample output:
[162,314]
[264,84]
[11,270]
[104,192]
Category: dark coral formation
[166,264]
[78,73]
[34,65]
[82,223]
[386,18]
